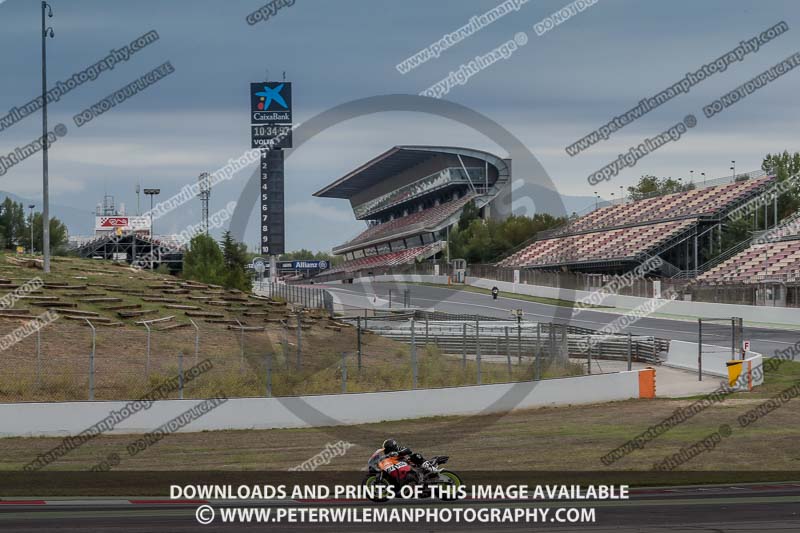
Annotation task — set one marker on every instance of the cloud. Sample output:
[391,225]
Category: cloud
[310,208]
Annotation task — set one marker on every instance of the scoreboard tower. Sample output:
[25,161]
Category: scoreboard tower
[271,132]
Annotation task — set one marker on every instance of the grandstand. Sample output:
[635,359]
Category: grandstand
[684,229]
[774,256]
[409,196]
[142,250]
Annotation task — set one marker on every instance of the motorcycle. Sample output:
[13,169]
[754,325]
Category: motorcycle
[397,471]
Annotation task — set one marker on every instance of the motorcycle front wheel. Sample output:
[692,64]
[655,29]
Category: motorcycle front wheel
[372,481]
[452,479]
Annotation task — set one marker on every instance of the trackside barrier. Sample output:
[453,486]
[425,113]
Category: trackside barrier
[683,355]
[71,418]
[750,313]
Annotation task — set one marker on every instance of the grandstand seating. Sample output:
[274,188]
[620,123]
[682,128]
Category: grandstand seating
[694,203]
[427,218]
[778,261]
[383,260]
[615,244]
[420,187]
[626,230]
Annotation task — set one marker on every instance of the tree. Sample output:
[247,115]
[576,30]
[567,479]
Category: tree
[58,234]
[234,255]
[650,185]
[12,222]
[480,242]
[204,261]
[307,255]
[783,167]
[298,255]
[468,214]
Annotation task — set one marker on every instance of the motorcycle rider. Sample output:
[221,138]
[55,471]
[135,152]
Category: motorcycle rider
[390,448]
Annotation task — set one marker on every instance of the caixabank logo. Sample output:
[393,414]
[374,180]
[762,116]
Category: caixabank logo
[271,102]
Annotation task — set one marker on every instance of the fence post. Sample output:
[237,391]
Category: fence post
[147,362]
[91,360]
[589,354]
[285,346]
[344,372]
[358,341]
[508,352]
[366,326]
[299,343]
[464,347]
[196,341]
[38,358]
[519,341]
[269,373]
[413,355]
[241,344]
[629,351]
[426,331]
[180,374]
[538,350]
[478,349]
[699,349]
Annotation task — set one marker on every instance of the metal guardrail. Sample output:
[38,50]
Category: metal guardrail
[503,337]
[311,298]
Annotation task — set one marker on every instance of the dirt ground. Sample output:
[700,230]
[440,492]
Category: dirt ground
[560,438]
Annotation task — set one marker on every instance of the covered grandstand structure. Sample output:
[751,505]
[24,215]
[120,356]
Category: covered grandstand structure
[409,196]
[684,229]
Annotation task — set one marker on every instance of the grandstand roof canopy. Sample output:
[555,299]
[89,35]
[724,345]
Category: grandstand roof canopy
[396,160]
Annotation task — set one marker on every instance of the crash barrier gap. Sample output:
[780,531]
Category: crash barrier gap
[71,418]
[752,313]
[684,355]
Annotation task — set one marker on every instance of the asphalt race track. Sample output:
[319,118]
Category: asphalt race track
[722,509]
[763,340]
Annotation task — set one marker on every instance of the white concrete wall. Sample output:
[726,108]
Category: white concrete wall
[684,355]
[756,367]
[71,418]
[412,278]
[752,313]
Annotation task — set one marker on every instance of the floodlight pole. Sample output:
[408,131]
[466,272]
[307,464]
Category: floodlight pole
[151,193]
[46,10]
[31,206]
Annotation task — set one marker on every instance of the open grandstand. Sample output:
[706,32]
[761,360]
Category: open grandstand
[409,197]
[684,229]
[135,248]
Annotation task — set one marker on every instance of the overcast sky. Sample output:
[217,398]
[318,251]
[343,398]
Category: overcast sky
[549,93]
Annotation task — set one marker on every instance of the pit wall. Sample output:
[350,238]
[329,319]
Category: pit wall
[72,418]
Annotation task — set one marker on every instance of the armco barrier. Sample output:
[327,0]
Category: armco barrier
[71,418]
